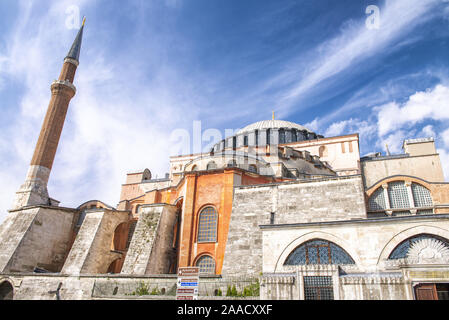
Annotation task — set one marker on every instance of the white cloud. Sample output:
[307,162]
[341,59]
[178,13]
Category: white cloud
[431,104]
[116,122]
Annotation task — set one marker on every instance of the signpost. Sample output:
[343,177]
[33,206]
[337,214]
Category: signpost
[187,285]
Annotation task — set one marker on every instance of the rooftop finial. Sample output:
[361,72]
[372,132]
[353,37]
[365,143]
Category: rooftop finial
[273,114]
[74,52]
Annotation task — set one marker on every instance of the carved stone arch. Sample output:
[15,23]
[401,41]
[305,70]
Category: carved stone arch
[311,236]
[406,234]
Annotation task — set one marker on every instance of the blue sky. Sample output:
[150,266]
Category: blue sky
[148,68]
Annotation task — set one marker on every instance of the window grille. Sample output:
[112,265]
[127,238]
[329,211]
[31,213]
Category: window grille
[421,196]
[207,228]
[398,195]
[400,252]
[318,288]
[206,265]
[319,252]
[377,200]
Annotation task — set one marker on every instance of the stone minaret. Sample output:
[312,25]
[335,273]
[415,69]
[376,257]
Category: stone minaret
[34,190]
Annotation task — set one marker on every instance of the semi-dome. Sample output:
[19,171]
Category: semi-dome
[272,124]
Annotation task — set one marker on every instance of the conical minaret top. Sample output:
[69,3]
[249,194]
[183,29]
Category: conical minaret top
[74,52]
[34,190]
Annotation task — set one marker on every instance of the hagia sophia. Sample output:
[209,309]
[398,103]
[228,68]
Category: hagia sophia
[276,207]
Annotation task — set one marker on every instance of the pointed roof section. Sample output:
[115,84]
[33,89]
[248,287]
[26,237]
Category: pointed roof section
[74,52]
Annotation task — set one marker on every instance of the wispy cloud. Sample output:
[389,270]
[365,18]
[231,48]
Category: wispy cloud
[118,121]
[353,46]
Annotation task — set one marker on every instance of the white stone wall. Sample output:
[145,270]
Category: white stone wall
[36,237]
[326,200]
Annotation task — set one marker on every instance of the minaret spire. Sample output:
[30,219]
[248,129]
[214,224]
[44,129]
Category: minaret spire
[74,52]
[34,190]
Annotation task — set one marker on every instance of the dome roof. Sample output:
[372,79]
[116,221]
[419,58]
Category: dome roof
[272,124]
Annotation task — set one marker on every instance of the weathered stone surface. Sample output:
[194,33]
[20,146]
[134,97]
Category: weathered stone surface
[150,250]
[326,200]
[35,237]
[91,251]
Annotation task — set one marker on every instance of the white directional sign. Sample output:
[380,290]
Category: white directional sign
[188,282]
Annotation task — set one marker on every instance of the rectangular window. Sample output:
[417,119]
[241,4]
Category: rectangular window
[318,288]
[350,147]
[343,147]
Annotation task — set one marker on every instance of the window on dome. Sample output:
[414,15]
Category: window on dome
[294,136]
[252,168]
[232,164]
[318,252]
[211,165]
[281,136]
[207,226]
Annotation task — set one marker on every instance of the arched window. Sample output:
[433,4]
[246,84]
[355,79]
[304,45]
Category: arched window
[323,151]
[252,168]
[399,194]
[206,264]
[377,200]
[402,250]
[318,252]
[281,136]
[294,136]
[211,165]
[421,196]
[207,226]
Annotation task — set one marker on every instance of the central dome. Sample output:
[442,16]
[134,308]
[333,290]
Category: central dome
[272,124]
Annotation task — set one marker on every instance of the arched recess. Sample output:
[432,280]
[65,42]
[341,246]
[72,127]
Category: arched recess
[6,291]
[120,243]
[409,233]
[207,263]
[311,236]
[176,236]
